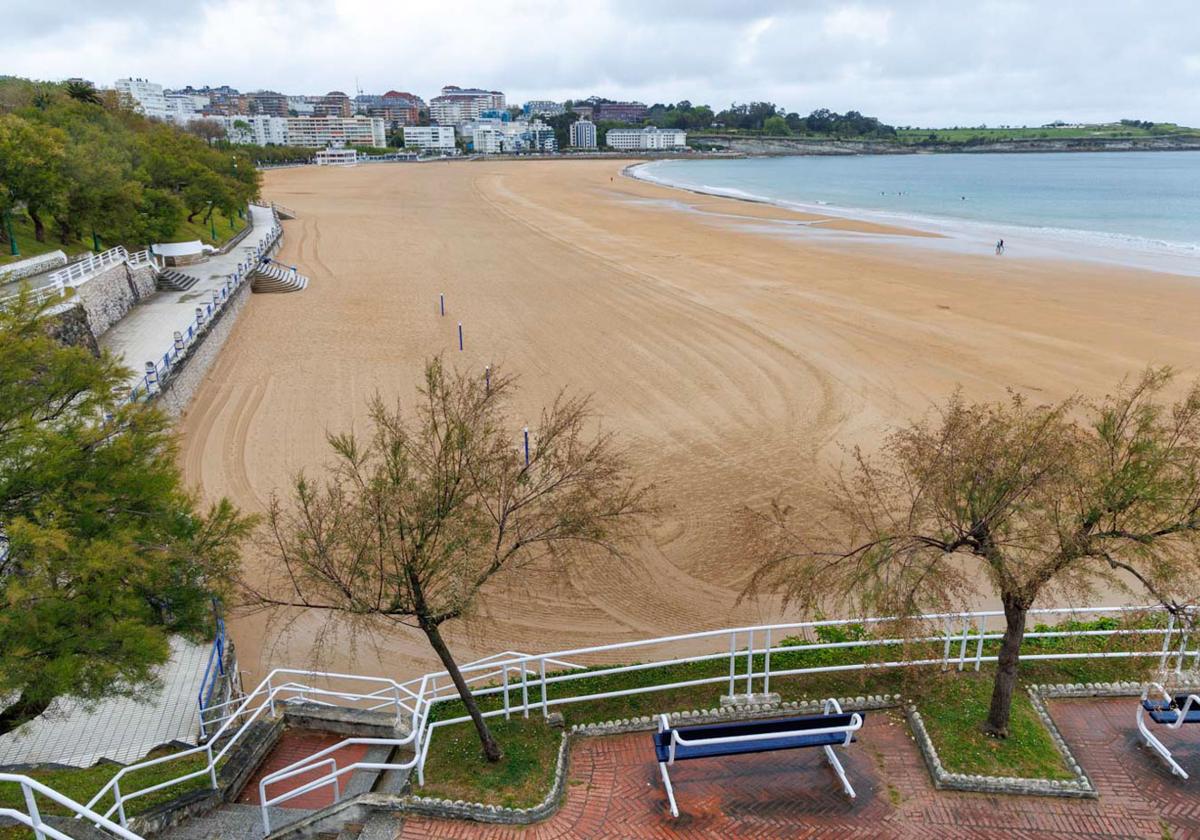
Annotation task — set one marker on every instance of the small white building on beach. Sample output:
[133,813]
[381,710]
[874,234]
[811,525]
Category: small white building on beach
[334,156]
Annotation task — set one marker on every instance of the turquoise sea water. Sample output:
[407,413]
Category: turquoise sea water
[1145,204]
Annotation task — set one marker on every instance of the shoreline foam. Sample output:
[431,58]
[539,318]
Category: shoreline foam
[1044,242]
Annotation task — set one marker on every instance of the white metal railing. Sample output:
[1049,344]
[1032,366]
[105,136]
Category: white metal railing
[277,688]
[79,272]
[32,817]
[158,371]
[516,683]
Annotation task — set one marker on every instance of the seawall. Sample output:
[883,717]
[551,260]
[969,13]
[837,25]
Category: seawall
[189,372]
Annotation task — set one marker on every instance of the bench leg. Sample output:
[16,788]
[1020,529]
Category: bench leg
[837,768]
[1158,746]
[670,792]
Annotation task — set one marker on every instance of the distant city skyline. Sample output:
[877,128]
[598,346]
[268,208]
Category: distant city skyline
[908,62]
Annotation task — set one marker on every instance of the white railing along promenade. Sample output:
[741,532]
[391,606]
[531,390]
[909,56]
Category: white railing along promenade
[32,817]
[158,371]
[517,683]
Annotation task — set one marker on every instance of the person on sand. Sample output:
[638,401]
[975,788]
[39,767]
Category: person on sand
[999,246]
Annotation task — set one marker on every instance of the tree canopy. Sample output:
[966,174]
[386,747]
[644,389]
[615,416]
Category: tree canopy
[83,162]
[103,554]
[1027,500]
[408,525]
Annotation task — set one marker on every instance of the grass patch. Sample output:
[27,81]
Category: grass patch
[226,228]
[456,768]
[81,784]
[953,710]
[30,247]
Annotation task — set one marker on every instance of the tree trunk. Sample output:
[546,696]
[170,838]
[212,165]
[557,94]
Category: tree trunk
[1015,612]
[25,709]
[39,227]
[491,749]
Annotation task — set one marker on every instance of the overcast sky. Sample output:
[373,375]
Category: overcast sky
[909,62]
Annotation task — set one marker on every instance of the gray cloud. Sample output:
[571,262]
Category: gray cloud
[915,62]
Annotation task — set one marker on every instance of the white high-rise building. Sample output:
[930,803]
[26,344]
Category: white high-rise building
[259,129]
[319,132]
[439,138]
[145,96]
[645,139]
[458,105]
[488,140]
[583,134]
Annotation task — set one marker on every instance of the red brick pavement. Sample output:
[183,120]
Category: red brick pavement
[615,792]
[293,746]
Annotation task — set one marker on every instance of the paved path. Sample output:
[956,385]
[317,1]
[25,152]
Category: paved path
[149,329]
[614,792]
[121,729]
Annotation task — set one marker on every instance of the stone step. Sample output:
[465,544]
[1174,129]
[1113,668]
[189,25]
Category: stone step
[176,281]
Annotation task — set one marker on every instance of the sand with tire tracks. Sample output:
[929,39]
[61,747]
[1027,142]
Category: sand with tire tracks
[736,349]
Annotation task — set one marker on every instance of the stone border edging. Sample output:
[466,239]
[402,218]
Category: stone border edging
[479,812]
[1080,787]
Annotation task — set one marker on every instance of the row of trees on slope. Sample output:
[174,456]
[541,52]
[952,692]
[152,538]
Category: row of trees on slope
[79,162]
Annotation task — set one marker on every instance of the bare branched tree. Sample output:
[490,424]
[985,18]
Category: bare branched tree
[408,526]
[1032,500]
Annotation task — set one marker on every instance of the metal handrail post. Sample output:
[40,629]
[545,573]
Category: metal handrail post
[962,648]
[767,665]
[34,815]
[545,706]
[506,705]
[749,662]
[212,766]
[732,654]
[120,803]
[525,688]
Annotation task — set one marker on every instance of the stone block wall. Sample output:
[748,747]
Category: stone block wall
[108,296]
[21,269]
[189,372]
[69,325]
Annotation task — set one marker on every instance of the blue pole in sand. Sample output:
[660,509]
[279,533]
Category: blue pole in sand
[487,379]
[442,302]
[460,344]
[527,446]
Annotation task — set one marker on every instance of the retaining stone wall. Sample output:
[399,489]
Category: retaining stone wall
[69,325]
[189,372]
[32,266]
[108,296]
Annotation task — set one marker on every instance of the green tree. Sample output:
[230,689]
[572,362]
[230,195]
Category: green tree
[102,552]
[407,527]
[31,168]
[776,125]
[1028,499]
[81,91]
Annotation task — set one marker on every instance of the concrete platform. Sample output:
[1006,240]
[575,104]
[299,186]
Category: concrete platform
[120,729]
[148,331]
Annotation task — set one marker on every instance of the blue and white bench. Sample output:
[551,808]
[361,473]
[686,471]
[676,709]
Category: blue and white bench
[1171,712]
[833,728]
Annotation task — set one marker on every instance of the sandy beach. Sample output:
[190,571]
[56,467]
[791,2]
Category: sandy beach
[736,346]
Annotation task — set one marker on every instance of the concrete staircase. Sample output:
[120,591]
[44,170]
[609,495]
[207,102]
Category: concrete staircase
[170,280]
[275,278]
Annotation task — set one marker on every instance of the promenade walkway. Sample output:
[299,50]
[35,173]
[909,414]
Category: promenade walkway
[614,791]
[149,329]
[121,729]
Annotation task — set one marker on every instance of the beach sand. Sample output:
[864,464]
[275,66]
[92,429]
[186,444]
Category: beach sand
[737,347]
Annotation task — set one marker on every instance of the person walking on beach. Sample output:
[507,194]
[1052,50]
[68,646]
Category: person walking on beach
[999,247]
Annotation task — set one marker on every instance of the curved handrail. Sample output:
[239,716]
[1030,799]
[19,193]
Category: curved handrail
[33,818]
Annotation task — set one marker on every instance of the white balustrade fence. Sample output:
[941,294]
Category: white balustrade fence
[517,683]
[78,273]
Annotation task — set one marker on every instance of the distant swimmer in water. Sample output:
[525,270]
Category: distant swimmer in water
[962,198]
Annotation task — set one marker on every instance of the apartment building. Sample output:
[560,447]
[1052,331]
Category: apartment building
[438,138]
[645,139]
[146,97]
[318,132]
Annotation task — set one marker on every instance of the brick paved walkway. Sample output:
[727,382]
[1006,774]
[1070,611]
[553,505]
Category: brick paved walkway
[293,746]
[615,792]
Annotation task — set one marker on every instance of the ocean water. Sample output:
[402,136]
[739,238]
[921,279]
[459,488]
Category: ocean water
[1138,208]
